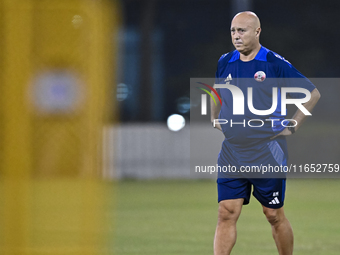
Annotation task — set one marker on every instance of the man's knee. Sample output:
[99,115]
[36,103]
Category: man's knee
[274,216]
[229,209]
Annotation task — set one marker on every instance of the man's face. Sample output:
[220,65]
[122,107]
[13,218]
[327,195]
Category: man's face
[244,34]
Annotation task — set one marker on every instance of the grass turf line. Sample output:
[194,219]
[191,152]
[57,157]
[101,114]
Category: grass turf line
[179,217]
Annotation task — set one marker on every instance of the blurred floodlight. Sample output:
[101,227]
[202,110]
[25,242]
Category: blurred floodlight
[77,20]
[122,91]
[183,104]
[176,122]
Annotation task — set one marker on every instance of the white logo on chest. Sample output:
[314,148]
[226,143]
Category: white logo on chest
[260,76]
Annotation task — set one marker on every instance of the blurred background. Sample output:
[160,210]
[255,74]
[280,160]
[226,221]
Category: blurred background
[165,43]
[87,91]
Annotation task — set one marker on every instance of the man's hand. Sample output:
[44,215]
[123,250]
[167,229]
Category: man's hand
[299,116]
[215,111]
[284,132]
[218,126]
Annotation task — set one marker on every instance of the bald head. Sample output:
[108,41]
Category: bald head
[249,18]
[245,32]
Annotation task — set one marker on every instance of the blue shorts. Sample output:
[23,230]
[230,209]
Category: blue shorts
[269,192]
[262,158]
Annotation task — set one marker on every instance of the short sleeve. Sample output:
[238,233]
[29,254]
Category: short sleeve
[218,74]
[218,78]
[291,77]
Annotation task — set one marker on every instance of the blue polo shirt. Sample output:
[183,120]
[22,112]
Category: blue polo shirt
[249,142]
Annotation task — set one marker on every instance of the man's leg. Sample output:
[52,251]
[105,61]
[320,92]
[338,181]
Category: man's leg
[282,230]
[225,235]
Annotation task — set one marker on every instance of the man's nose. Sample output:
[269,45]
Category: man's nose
[236,35]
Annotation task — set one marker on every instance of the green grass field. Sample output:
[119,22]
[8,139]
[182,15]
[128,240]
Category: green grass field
[179,217]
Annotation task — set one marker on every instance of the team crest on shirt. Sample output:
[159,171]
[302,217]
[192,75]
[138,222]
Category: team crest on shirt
[260,76]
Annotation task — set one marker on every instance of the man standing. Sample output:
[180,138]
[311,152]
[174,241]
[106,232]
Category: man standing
[247,145]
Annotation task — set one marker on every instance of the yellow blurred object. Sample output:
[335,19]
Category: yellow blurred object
[56,72]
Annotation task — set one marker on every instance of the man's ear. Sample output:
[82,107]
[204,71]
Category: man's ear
[258,32]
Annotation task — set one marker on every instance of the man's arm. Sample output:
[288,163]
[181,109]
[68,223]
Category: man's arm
[215,110]
[299,116]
